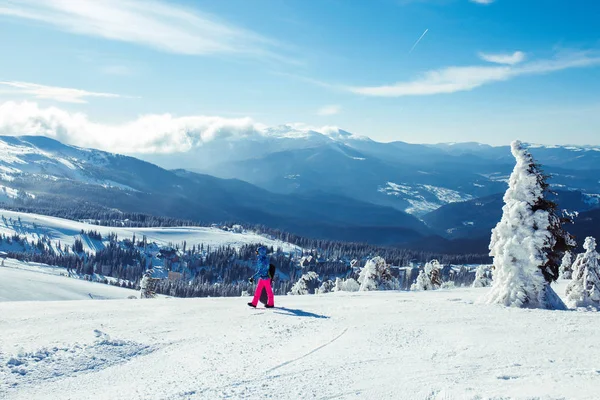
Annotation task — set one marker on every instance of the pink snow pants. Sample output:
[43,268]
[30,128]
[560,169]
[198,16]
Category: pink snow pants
[264,283]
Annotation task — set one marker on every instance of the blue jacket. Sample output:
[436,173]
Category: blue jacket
[262,264]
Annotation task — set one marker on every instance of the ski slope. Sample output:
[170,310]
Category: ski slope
[375,345]
[34,226]
[21,281]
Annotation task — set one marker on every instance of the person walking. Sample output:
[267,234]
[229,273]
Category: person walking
[264,279]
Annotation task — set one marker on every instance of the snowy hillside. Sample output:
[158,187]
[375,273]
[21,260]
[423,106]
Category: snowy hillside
[21,281]
[43,158]
[377,345]
[35,226]
[423,198]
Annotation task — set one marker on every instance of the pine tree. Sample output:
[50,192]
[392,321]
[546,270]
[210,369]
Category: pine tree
[529,241]
[584,289]
[482,277]
[566,271]
[433,269]
[430,277]
[422,283]
[307,284]
[377,275]
[346,285]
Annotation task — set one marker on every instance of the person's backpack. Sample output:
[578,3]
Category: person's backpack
[271,271]
[263,295]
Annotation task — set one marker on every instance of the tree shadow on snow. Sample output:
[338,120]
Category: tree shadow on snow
[298,313]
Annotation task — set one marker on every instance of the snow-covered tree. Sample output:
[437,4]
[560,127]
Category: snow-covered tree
[326,287]
[448,285]
[430,277]
[566,271]
[422,283]
[346,285]
[584,289]
[307,284]
[377,275]
[529,241]
[483,276]
[433,269]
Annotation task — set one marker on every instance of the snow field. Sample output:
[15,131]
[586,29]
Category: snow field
[34,226]
[35,282]
[368,345]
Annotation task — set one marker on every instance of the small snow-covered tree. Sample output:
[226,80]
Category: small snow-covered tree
[307,284]
[422,283]
[430,277]
[529,241]
[326,287]
[566,271]
[483,277]
[346,285]
[377,275]
[584,289]
[448,285]
[433,269]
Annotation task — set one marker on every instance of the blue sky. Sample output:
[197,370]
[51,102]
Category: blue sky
[483,70]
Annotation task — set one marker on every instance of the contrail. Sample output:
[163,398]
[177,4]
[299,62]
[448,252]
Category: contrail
[417,42]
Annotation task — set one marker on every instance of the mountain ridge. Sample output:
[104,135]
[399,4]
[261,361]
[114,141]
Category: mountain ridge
[45,171]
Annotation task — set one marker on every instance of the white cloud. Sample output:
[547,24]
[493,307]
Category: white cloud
[329,110]
[153,23]
[65,95]
[457,79]
[511,59]
[482,1]
[147,134]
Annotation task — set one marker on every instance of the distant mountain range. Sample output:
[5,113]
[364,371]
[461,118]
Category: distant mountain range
[334,186]
[43,172]
[409,177]
[473,220]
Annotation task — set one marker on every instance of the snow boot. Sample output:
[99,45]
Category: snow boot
[268,306]
[251,305]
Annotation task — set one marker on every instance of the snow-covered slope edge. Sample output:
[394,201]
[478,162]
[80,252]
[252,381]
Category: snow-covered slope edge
[35,226]
[20,281]
[417,345]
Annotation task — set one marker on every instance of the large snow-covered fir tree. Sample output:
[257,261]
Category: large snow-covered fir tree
[529,242]
[376,275]
[584,289]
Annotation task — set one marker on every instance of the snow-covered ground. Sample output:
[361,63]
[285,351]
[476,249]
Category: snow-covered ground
[374,345]
[34,226]
[23,284]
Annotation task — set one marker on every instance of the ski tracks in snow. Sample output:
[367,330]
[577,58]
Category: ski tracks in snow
[309,353]
[239,389]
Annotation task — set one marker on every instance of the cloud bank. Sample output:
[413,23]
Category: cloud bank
[148,134]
